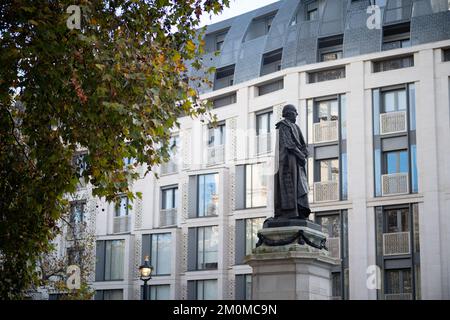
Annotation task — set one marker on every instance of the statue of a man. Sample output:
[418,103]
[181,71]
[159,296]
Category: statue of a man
[291,184]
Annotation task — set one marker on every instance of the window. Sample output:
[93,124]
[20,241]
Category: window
[446,55]
[243,287]
[393,64]
[216,135]
[214,41]
[396,161]
[110,260]
[396,36]
[122,207]
[312,11]
[207,247]
[259,27]
[224,100]
[325,75]
[255,185]
[208,197]
[74,256]
[397,220]
[169,198]
[252,226]
[224,77]
[271,62]
[202,290]
[157,292]
[264,128]
[331,225]
[160,253]
[330,48]
[220,38]
[270,87]
[114,294]
[327,110]
[80,166]
[394,100]
[77,212]
[57,296]
[328,170]
[398,281]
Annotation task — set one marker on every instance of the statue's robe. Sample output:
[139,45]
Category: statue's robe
[291,184]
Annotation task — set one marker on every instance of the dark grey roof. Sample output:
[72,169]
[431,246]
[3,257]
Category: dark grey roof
[429,21]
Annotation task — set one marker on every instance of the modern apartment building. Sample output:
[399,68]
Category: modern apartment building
[374,107]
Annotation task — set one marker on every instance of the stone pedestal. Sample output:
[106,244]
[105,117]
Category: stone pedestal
[293,271]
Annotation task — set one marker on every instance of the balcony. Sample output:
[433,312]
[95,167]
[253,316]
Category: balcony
[398,296]
[122,224]
[326,131]
[264,143]
[394,183]
[169,167]
[396,243]
[334,247]
[393,122]
[326,191]
[216,154]
[168,217]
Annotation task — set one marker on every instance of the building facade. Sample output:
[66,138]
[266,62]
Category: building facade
[373,98]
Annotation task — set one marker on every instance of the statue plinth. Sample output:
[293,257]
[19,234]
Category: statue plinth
[290,262]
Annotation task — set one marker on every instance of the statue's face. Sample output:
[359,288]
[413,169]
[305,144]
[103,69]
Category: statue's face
[291,115]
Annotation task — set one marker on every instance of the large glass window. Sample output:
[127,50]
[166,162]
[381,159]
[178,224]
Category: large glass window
[252,226]
[264,127]
[255,186]
[113,294]
[207,247]
[169,198]
[396,161]
[397,220]
[216,135]
[158,292]
[206,289]
[114,259]
[77,212]
[398,281]
[329,170]
[327,110]
[394,100]
[208,197]
[161,253]
[264,123]
[122,207]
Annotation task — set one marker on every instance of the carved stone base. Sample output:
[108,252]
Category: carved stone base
[290,272]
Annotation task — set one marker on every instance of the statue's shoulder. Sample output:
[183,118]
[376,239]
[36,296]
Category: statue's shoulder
[282,124]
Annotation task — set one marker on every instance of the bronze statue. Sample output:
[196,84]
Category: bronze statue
[291,183]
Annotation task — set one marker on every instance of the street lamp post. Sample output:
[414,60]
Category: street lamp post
[145,272]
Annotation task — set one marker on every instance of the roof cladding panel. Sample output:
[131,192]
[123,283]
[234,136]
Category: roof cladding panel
[333,17]
[430,21]
[298,37]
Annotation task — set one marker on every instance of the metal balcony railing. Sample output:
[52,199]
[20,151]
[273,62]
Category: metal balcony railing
[393,122]
[398,296]
[326,131]
[216,154]
[122,224]
[326,191]
[394,183]
[168,217]
[396,243]
[334,247]
[264,143]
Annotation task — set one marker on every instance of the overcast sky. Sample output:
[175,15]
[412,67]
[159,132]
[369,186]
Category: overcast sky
[236,8]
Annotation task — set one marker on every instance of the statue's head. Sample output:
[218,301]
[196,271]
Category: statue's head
[290,112]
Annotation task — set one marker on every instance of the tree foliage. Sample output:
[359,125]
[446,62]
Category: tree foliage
[115,88]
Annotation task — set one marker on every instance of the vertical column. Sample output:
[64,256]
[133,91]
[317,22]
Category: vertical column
[427,162]
[357,161]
